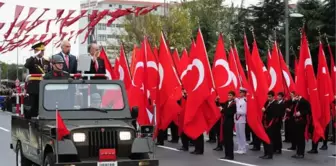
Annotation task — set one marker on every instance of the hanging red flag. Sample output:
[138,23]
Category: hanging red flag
[59,13]
[65,19]
[18,11]
[276,84]
[70,22]
[62,130]
[2,25]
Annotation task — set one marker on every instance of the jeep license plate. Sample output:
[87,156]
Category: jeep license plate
[112,163]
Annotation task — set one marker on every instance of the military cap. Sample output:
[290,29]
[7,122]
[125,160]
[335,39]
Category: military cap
[57,59]
[241,89]
[38,46]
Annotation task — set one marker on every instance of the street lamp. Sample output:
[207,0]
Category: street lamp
[287,15]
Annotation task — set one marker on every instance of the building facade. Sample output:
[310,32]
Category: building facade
[109,36]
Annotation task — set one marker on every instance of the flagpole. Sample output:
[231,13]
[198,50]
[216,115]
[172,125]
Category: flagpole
[56,131]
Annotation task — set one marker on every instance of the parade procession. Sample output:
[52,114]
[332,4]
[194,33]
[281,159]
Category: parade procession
[183,83]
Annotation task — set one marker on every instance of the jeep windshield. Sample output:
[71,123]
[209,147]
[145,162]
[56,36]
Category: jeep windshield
[84,97]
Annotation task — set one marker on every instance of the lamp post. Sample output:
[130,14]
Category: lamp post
[287,15]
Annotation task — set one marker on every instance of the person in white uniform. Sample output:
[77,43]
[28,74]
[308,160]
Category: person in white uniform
[240,121]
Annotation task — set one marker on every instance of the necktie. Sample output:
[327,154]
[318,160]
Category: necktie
[96,65]
[40,61]
[67,60]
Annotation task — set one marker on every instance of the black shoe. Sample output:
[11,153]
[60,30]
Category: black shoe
[291,148]
[334,155]
[298,156]
[211,141]
[277,152]
[196,153]
[159,143]
[266,157]
[227,158]
[255,149]
[324,147]
[218,149]
[183,149]
[312,151]
[173,141]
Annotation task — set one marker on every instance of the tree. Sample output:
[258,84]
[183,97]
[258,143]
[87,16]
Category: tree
[177,24]
[8,71]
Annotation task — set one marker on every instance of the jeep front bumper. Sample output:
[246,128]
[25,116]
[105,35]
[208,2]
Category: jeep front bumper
[119,163]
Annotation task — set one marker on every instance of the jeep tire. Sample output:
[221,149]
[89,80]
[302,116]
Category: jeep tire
[20,159]
[49,160]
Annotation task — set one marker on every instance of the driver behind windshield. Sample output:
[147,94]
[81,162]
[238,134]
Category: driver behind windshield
[95,100]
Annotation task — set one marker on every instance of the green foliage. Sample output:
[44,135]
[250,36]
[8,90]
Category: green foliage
[8,71]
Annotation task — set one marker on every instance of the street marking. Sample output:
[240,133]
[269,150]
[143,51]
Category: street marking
[1,128]
[169,148]
[237,162]
[332,157]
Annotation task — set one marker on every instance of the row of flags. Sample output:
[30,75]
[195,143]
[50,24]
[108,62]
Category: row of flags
[157,78]
[21,38]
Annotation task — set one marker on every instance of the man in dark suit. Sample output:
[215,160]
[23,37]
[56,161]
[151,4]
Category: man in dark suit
[70,61]
[280,113]
[225,135]
[36,65]
[302,108]
[269,117]
[290,121]
[97,64]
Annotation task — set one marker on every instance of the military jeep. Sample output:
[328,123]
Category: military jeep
[98,118]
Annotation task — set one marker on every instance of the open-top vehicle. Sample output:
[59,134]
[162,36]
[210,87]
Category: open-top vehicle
[99,120]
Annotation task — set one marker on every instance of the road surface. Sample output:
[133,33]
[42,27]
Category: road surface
[168,155]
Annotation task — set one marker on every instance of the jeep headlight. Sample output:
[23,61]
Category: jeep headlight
[78,137]
[125,135]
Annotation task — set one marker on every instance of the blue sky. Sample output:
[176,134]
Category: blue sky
[7,15]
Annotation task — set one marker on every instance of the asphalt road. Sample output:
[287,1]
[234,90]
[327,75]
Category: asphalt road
[168,155]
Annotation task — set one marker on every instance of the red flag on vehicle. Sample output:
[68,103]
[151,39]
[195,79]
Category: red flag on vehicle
[61,129]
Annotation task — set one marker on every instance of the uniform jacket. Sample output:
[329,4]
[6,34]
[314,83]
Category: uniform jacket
[101,68]
[228,111]
[35,67]
[302,106]
[72,69]
[240,116]
[281,109]
[56,75]
[270,114]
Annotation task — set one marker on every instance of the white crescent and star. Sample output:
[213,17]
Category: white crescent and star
[307,62]
[121,73]
[286,76]
[137,65]
[224,63]
[161,74]
[234,79]
[254,80]
[199,65]
[273,78]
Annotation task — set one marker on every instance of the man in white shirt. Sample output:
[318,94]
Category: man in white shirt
[240,121]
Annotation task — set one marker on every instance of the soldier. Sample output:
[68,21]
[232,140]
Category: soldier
[302,108]
[228,110]
[36,65]
[240,121]
[269,117]
[57,72]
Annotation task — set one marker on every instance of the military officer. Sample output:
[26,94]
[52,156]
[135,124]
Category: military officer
[240,121]
[57,72]
[36,65]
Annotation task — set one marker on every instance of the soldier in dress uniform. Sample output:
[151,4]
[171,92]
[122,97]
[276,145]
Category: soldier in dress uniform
[57,72]
[36,65]
[269,122]
[240,121]
[302,109]
[281,109]
[228,110]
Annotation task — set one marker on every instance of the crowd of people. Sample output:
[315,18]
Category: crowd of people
[292,115]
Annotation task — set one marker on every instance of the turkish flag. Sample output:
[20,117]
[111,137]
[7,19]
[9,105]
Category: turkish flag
[184,62]
[332,69]
[123,69]
[221,71]
[169,88]
[287,77]
[108,66]
[308,87]
[257,92]
[61,128]
[275,72]
[324,86]
[242,76]
[133,59]
[237,82]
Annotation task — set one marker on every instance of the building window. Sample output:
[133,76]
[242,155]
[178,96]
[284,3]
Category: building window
[120,6]
[110,5]
[101,26]
[101,38]
[119,25]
